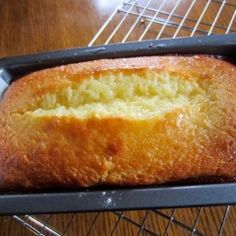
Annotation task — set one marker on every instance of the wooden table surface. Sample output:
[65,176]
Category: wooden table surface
[31,26]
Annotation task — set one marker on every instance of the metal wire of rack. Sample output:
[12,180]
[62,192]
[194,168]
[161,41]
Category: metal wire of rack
[135,20]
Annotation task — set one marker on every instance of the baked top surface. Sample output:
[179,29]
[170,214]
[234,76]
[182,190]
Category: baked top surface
[47,139]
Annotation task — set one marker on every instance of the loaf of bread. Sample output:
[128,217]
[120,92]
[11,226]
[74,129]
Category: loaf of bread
[134,121]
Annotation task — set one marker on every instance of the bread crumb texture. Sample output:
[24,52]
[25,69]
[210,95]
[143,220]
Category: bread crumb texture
[134,121]
[119,95]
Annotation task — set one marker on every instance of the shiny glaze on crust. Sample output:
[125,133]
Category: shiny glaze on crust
[49,152]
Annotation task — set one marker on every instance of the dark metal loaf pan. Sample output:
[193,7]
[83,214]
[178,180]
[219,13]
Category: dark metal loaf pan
[116,198]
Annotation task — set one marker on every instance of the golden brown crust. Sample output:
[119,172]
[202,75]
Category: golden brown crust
[70,152]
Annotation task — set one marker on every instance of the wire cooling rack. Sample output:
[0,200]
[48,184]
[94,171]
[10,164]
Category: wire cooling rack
[136,21]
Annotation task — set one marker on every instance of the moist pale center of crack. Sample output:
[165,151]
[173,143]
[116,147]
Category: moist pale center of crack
[120,95]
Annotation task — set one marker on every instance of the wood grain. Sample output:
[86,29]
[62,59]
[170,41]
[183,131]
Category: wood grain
[29,26]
